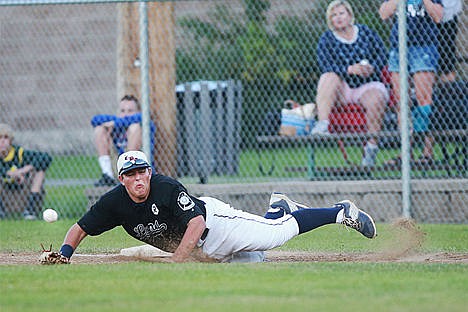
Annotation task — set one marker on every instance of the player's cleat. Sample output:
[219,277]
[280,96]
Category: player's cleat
[357,219]
[279,201]
[105,180]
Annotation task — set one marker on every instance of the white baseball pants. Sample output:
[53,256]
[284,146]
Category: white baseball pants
[238,236]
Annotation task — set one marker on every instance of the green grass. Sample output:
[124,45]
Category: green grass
[236,287]
[307,286]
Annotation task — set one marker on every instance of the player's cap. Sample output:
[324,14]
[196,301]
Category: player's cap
[131,160]
[6,130]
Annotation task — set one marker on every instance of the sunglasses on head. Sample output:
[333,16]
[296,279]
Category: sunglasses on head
[134,162]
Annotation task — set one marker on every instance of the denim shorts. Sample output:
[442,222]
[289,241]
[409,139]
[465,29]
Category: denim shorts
[419,59]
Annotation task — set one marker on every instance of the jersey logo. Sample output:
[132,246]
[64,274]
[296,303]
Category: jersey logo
[154,209]
[185,202]
[152,230]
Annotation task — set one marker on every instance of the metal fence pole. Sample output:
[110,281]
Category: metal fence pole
[145,106]
[404,111]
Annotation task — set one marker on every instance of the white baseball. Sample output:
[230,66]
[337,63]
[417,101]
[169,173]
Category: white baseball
[50,215]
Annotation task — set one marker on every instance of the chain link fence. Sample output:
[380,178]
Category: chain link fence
[236,98]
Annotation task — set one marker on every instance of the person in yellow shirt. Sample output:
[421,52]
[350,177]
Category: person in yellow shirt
[16,166]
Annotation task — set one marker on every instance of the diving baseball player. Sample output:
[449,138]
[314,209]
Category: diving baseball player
[159,211]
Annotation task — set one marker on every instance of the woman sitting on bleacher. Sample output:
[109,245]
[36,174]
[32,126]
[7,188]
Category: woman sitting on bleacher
[351,58]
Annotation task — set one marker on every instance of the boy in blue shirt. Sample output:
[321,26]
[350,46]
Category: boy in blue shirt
[123,130]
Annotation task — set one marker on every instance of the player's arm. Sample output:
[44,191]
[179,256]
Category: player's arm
[192,235]
[72,239]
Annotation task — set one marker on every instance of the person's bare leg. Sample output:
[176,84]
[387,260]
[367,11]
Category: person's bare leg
[423,83]
[134,134]
[329,92]
[395,79]
[374,103]
[102,140]
[328,89]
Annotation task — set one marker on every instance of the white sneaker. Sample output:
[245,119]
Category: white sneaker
[321,127]
[279,201]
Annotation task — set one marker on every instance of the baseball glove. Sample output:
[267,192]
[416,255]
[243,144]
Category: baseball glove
[52,257]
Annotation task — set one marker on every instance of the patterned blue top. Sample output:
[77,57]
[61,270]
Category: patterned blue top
[422,30]
[336,56]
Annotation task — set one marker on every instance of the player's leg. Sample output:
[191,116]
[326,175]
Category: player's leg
[232,231]
[280,205]
[345,212]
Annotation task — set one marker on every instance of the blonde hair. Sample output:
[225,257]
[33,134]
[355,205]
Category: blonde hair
[6,130]
[333,5]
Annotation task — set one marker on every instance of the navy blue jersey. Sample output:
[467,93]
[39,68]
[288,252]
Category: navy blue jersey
[334,55]
[160,221]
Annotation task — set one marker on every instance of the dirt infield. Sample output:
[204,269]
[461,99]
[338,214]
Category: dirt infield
[406,241]
[272,256]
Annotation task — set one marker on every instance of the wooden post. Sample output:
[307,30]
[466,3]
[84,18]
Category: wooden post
[128,75]
[161,42]
[162,83]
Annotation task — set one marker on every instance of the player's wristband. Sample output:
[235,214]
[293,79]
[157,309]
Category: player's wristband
[66,250]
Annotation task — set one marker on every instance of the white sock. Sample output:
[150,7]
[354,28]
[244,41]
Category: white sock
[340,216]
[106,165]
